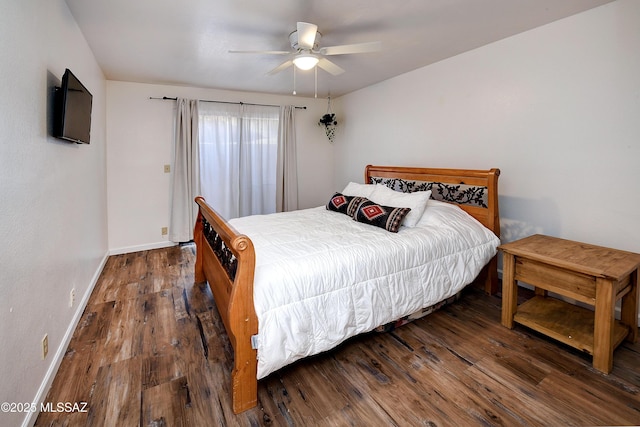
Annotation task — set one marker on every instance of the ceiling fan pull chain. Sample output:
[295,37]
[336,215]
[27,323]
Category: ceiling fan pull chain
[294,80]
[316,83]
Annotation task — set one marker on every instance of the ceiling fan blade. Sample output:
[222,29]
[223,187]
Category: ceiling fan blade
[330,67]
[284,65]
[351,48]
[306,35]
[265,52]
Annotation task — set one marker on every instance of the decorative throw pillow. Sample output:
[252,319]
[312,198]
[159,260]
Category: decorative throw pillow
[386,217]
[345,204]
[417,201]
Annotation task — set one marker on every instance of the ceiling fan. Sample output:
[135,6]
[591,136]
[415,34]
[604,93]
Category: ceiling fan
[307,54]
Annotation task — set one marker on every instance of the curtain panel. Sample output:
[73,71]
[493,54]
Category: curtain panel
[287,167]
[186,174]
[238,158]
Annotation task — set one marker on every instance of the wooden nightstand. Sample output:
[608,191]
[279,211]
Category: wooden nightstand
[594,275]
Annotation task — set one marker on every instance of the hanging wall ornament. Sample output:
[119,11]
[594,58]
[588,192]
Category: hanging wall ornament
[329,122]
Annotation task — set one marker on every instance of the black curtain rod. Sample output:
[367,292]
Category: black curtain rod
[226,102]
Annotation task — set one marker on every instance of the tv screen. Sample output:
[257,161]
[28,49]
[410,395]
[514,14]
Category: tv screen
[73,122]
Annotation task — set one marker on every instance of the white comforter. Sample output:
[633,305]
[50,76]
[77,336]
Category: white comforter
[322,277]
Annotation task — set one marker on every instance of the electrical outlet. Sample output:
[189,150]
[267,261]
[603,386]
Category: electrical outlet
[72,297]
[167,168]
[165,231]
[45,346]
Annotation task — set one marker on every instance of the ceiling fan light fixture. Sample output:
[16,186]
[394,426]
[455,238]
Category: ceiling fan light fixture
[306,61]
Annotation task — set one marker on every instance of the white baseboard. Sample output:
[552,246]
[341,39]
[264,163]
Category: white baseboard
[31,417]
[138,248]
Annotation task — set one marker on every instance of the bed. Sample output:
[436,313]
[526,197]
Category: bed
[304,281]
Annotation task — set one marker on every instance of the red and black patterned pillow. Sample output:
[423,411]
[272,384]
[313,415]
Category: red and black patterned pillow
[345,204]
[386,217]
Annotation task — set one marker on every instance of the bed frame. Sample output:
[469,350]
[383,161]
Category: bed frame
[226,259]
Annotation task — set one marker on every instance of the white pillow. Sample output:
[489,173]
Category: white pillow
[439,213]
[417,201]
[359,190]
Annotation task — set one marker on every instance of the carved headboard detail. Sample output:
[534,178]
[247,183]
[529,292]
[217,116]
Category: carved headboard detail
[460,194]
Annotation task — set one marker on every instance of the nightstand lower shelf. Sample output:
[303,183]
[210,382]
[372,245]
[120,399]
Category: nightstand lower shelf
[564,322]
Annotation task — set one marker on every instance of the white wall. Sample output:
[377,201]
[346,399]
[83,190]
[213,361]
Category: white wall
[557,109]
[53,195]
[140,143]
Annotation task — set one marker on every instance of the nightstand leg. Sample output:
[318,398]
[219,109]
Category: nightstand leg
[629,309]
[603,333]
[509,290]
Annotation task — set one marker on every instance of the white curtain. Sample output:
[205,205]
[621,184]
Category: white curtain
[287,169]
[186,174]
[238,155]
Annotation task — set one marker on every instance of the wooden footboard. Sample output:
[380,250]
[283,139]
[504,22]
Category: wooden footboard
[226,260]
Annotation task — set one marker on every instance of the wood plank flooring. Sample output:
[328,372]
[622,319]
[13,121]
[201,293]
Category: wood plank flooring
[150,350]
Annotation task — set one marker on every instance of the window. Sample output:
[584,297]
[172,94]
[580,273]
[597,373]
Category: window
[238,156]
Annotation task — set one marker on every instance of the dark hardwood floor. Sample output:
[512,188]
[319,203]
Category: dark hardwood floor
[150,350]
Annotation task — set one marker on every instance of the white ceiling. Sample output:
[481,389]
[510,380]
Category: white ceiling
[186,42]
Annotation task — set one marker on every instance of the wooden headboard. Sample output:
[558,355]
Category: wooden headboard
[475,191]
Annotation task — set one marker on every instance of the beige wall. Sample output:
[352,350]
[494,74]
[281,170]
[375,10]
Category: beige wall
[140,135]
[555,108]
[52,196]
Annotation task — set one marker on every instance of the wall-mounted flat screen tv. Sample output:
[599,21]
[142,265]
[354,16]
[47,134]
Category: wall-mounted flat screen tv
[73,110]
